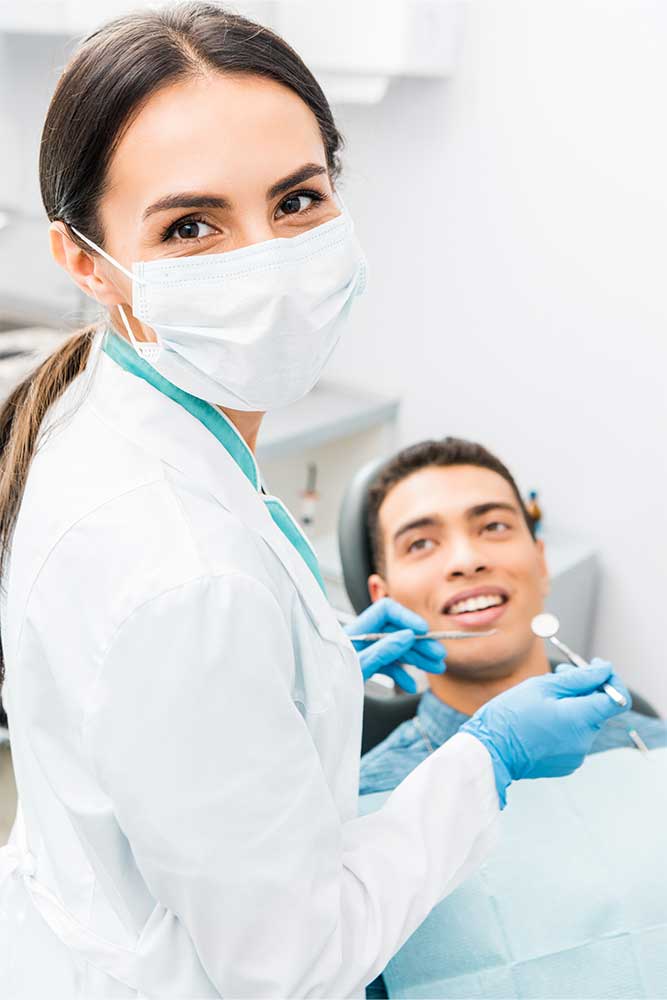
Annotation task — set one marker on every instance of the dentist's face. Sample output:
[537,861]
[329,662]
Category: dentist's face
[457,551]
[209,165]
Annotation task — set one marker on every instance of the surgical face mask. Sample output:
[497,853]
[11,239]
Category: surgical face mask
[249,329]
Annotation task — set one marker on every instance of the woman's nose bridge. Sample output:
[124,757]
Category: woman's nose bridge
[253,227]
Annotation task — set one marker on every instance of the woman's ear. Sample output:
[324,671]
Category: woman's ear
[377,588]
[87,271]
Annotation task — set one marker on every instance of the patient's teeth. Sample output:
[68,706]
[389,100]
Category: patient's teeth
[476,604]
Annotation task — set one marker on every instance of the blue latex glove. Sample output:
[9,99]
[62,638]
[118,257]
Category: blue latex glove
[386,655]
[545,726]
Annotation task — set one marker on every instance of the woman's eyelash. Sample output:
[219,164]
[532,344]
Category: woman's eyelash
[317,197]
[169,231]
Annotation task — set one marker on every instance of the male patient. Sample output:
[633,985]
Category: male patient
[452,540]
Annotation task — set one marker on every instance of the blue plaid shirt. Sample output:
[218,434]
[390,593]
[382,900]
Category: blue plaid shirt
[385,766]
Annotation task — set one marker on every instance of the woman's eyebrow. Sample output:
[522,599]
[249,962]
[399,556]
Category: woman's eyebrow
[185,200]
[303,173]
[189,199]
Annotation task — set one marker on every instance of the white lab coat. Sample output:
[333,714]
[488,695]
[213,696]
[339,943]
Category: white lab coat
[185,717]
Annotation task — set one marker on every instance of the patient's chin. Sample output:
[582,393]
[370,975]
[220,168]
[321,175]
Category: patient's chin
[478,671]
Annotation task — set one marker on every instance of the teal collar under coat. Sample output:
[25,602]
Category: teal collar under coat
[221,427]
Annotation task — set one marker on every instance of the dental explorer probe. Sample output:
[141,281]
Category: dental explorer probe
[546,626]
[374,636]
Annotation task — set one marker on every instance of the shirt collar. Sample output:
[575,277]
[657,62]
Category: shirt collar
[439,720]
[212,418]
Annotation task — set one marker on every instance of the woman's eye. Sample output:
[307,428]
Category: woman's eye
[296,204]
[191,230]
[421,545]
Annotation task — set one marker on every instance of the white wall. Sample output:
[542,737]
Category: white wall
[30,65]
[515,220]
[29,68]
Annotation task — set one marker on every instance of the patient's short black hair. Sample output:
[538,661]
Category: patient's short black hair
[445,452]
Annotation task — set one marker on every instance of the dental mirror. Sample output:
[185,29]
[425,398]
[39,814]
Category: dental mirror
[546,626]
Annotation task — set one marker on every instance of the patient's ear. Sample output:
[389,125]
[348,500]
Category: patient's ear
[377,588]
[543,569]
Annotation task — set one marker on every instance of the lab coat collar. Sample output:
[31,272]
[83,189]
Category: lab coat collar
[214,419]
[183,436]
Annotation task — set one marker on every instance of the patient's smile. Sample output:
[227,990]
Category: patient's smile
[478,606]
[482,617]
[459,552]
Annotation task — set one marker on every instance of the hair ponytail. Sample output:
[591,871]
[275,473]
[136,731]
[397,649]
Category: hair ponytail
[21,418]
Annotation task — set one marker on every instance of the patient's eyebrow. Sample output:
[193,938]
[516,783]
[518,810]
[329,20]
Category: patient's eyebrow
[303,173]
[428,521]
[186,199]
[479,510]
[437,521]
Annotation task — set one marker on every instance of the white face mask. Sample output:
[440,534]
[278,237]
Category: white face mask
[249,329]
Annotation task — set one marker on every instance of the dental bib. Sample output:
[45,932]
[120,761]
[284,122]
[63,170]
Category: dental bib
[572,903]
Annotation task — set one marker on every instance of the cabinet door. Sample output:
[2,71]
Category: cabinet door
[82,16]
[37,16]
[63,17]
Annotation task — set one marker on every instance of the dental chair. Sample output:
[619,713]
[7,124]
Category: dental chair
[383,714]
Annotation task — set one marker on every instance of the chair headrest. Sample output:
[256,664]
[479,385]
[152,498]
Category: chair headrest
[353,539]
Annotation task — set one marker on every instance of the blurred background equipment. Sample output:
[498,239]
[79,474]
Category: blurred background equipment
[535,512]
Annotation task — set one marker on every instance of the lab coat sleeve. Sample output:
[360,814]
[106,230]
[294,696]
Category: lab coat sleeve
[218,787]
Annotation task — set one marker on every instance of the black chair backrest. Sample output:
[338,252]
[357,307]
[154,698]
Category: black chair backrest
[353,541]
[384,714]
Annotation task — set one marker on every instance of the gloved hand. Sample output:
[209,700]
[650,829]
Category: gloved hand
[545,726]
[384,656]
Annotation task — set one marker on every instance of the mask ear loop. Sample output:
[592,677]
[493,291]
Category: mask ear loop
[107,256]
[149,351]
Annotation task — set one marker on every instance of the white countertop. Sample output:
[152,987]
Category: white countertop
[327,413]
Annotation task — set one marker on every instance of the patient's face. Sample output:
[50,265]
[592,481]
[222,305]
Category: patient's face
[457,551]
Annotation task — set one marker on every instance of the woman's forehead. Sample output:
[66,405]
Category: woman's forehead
[230,135]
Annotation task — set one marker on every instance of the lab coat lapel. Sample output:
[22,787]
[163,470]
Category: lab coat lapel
[168,431]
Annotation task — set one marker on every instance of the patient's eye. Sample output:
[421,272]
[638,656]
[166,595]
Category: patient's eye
[421,545]
[497,528]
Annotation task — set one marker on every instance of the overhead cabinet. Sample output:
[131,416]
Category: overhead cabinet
[356,47]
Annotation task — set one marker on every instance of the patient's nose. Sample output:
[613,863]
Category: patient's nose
[463,560]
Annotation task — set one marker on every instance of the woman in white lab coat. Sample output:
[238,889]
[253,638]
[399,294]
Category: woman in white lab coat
[184,709]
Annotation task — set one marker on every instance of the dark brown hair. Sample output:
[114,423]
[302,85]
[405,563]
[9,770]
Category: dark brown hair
[446,452]
[110,78]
